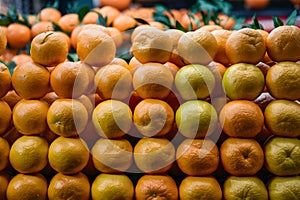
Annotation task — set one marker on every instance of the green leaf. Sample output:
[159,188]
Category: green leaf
[82,12]
[142,21]
[292,18]
[101,20]
[56,27]
[179,26]
[11,67]
[25,21]
[223,6]
[239,22]
[53,4]
[73,57]
[162,19]
[160,9]
[277,22]
[12,13]
[4,20]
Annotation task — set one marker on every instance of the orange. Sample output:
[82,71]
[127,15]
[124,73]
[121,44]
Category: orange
[265,35]
[133,64]
[76,187]
[110,12]
[221,37]
[91,17]
[74,35]
[31,80]
[197,157]
[152,45]
[197,47]
[189,22]
[120,5]
[50,97]
[29,154]
[116,36]
[112,118]
[245,45]
[113,82]
[29,116]
[4,179]
[3,40]
[282,118]
[91,43]
[152,80]
[5,80]
[49,49]
[292,183]
[112,156]
[153,187]
[68,155]
[283,43]
[153,117]
[241,157]
[49,14]
[175,35]
[158,25]
[11,98]
[256,4]
[5,117]
[226,21]
[68,39]
[193,187]
[283,80]
[210,28]
[26,186]
[12,135]
[8,54]
[21,59]
[120,61]
[124,22]
[70,79]
[173,68]
[4,154]
[68,22]
[18,35]
[40,27]
[154,155]
[138,29]
[112,186]
[241,118]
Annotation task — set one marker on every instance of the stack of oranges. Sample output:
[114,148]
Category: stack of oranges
[192,115]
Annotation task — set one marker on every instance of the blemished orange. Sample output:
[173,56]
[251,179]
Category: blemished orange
[21,59]
[31,80]
[113,82]
[68,155]
[241,156]
[4,179]
[197,157]
[3,40]
[112,186]
[241,118]
[68,22]
[5,80]
[221,37]
[29,154]
[112,156]
[40,27]
[153,117]
[282,118]
[154,155]
[245,45]
[152,45]
[110,12]
[26,186]
[152,80]
[153,187]
[49,49]
[18,35]
[70,79]
[197,47]
[29,116]
[120,5]
[49,14]
[193,187]
[4,154]
[283,80]
[76,187]
[11,98]
[67,117]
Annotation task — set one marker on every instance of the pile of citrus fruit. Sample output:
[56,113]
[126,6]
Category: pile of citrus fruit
[205,114]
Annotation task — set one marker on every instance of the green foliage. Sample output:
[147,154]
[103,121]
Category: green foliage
[11,66]
[289,22]
[255,23]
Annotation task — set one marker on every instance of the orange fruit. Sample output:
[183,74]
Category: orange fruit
[110,12]
[152,45]
[26,186]
[283,80]
[49,49]
[21,59]
[29,116]
[210,28]
[8,54]
[173,68]
[91,17]
[4,154]
[116,36]
[3,40]
[50,97]
[292,183]
[12,135]
[221,37]
[120,61]
[245,45]
[68,155]
[70,79]
[124,22]
[49,14]
[5,80]
[197,47]
[120,5]
[40,27]
[154,155]
[76,187]
[18,35]
[112,186]
[152,80]
[68,22]
[29,154]
[5,117]
[227,22]
[113,82]
[193,187]
[4,179]
[153,117]
[138,29]
[74,36]
[282,118]
[175,35]
[241,118]
[68,39]
[134,64]
[31,80]
[112,156]
[112,118]
[197,157]
[241,157]
[156,187]
[256,4]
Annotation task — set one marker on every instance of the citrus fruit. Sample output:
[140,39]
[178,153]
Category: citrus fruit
[110,13]
[4,153]
[120,5]
[241,118]
[40,27]
[49,14]
[5,80]
[75,187]
[116,36]
[3,41]
[28,154]
[68,22]
[21,59]
[124,22]
[112,186]
[284,188]
[197,157]
[67,117]
[196,119]
[111,156]
[241,157]
[256,4]
[4,179]
[175,36]
[194,81]
[209,28]
[112,118]
[5,117]
[68,155]
[18,35]
[221,36]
